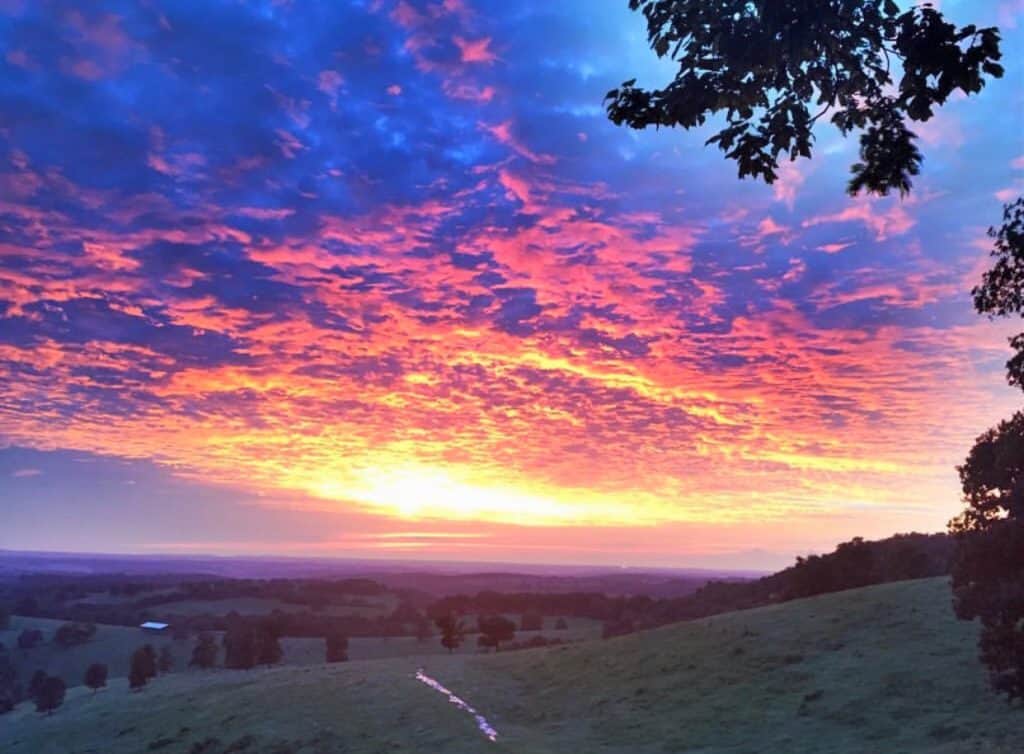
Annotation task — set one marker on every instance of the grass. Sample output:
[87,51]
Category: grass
[882,669]
[112,645]
[261,606]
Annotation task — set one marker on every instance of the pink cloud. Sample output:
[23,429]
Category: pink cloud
[475,51]
[330,82]
[503,133]
[894,221]
[786,186]
[469,92]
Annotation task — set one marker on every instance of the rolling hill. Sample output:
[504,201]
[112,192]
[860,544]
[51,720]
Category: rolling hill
[879,669]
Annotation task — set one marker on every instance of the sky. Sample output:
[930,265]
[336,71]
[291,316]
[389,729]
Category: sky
[379,279]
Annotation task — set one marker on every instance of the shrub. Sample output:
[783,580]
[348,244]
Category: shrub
[96,676]
[51,694]
[73,634]
[30,638]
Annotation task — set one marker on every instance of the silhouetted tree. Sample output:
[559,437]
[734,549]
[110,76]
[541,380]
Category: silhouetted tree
[142,667]
[268,646]
[30,638]
[10,690]
[95,676]
[531,621]
[453,632]
[495,629]
[766,64]
[165,660]
[5,618]
[50,695]
[988,569]
[36,684]
[239,646]
[561,625]
[204,654]
[1001,292]
[74,633]
[336,647]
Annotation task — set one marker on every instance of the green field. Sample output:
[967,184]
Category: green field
[112,645]
[881,669]
[373,608]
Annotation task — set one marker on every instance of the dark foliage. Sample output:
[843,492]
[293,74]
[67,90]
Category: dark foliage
[165,660]
[204,654]
[452,629]
[95,676]
[767,65]
[5,618]
[268,646]
[1001,292]
[142,667]
[250,642]
[10,689]
[561,625]
[853,564]
[239,646]
[35,685]
[75,633]
[336,646]
[59,596]
[50,694]
[531,621]
[988,572]
[30,638]
[494,629]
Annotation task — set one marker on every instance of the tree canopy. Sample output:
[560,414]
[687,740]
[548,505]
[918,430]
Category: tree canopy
[453,631]
[50,694]
[988,571]
[1001,292]
[773,68]
[204,654]
[95,676]
[495,629]
[142,667]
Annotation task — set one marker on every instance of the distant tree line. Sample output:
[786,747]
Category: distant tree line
[852,564]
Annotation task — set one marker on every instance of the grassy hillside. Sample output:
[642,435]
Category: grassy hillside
[884,668]
[112,645]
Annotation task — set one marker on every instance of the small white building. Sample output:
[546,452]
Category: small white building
[154,627]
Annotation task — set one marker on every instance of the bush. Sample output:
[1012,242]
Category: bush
[96,676]
[336,648]
[204,655]
[51,694]
[73,634]
[531,621]
[30,638]
[143,667]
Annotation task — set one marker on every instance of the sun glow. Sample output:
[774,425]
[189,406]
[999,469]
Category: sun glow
[419,492]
